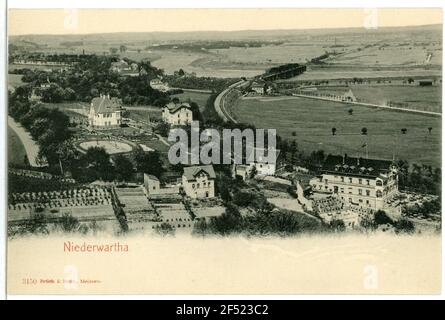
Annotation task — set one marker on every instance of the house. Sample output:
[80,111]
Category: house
[257,87]
[368,183]
[157,84]
[105,112]
[349,96]
[123,68]
[177,114]
[261,165]
[153,187]
[199,181]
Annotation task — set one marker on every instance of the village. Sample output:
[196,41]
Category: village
[343,192]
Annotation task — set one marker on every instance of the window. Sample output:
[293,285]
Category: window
[378,194]
[379,183]
[368,193]
[197,185]
[193,186]
[367,182]
[350,180]
[360,191]
[360,181]
[342,179]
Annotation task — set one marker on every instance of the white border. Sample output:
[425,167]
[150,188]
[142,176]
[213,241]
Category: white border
[180,4]
[3,146]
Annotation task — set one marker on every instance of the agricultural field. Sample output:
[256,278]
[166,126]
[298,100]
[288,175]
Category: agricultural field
[310,123]
[403,54]
[349,72]
[411,97]
[16,150]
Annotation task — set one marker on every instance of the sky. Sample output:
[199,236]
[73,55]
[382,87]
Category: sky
[86,21]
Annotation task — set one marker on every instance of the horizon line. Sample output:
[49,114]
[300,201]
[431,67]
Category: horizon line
[225,31]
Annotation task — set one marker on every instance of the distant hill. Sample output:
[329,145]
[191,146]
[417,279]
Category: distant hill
[265,35]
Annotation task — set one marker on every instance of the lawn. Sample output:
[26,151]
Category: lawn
[16,150]
[310,123]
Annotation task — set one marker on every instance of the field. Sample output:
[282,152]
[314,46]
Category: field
[14,80]
[199,98]
[144,113]
[310,123]
[412,97]
[111,147]
[16,150]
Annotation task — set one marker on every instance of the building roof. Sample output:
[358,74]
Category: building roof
[190,173]
[356,166]
[150,176]
[264,152]
[257,84]
[174,107]
[105,104]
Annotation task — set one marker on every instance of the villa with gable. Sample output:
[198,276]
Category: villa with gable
[105,112]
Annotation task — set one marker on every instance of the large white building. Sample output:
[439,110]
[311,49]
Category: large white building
[177,114]
[105,112]
[199,181]
[368,183]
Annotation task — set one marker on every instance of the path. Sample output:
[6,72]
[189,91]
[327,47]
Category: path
[31,147]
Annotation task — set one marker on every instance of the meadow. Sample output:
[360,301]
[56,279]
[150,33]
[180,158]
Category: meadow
[14,80]
[197,97]
[310,123]
[412,97]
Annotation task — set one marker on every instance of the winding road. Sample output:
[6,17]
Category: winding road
[220,103]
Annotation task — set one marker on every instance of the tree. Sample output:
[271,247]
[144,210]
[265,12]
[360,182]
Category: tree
[334,130]
[403,130]
[404,226]
[230,221]
[350,111]
[430,129]
[380,217]
[123,167]
[364,131]
[162,129]
[113,50]
[149,162]
[98,164]
[165,229]
[69,223]
[122,48]
[337,225]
